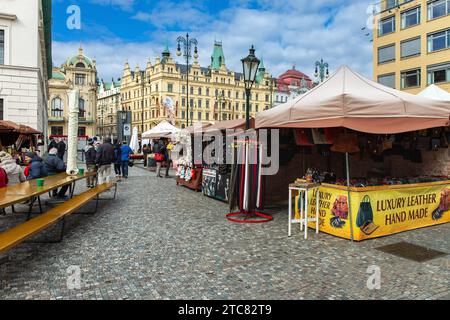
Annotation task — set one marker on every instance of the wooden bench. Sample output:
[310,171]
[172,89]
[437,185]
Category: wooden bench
[22,232]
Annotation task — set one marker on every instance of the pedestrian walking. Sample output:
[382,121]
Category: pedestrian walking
[146,150]
[104,160]
[168,157]
[13,170]
[55,165]
[159,149]
[118,159]
[61,148]
[90,155]
[125,157]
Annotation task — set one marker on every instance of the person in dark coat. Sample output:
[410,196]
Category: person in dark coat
[55,165]
[159,148]
[90,155]
[52,144]
[61,149]
[118,159]
[35,166]
[105,157]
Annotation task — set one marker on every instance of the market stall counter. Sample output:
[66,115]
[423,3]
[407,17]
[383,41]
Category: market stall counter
[376,211]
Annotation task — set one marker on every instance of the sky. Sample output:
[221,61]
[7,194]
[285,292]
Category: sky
[285,33]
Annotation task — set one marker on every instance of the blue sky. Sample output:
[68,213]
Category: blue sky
[284,32]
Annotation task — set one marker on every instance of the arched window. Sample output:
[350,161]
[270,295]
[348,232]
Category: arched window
[82,108]
[80,65]
[57,107]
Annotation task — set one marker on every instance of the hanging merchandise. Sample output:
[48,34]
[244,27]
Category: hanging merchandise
[301,138]
[319,136]
[346,143]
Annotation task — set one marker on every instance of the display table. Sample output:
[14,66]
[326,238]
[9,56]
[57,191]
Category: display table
[372,212]
[305,191]
[194,184]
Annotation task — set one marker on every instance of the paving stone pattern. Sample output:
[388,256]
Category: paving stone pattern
[160,241]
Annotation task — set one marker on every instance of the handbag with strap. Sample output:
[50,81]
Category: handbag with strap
[159,157]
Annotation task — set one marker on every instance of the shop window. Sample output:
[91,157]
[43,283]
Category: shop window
[438,9]
[386,54]
[410,48]
[411,18]
[439,73]
[410,79]
[439,40]
[387,80]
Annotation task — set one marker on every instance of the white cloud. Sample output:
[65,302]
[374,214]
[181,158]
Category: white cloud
[126,5]
[284,32]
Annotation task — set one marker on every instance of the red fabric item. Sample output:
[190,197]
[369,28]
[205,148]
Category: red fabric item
[301,138]
[159,157]
[193,174]
[3,178]
[26,171]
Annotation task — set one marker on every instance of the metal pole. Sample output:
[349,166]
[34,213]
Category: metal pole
[347,167]
[247,111]
[143,100]
[187,52]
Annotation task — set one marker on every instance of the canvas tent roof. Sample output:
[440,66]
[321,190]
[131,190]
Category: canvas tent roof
[199,126]
[230,124]
[163,129]
[435,93]
[349,100]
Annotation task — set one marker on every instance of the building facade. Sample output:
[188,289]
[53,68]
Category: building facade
[411,44]
[25,61]
[215,92]
[108,104]
[78,72]
[291,84]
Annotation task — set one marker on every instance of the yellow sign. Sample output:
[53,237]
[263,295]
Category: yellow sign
[380,212]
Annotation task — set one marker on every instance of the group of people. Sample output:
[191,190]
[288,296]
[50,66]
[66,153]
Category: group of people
[162,149]
[100,158]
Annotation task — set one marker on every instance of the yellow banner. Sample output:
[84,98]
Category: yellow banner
[381,212]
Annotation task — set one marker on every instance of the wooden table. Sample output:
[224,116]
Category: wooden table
[29,190]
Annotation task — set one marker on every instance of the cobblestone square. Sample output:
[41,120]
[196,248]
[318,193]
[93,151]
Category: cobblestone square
[160,241]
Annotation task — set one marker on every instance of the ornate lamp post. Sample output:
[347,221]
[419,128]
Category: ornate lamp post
[187,44]
[250,66]
[320,70]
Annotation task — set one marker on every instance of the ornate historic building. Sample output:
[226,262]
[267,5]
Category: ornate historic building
[108,103]
[78,72]
[291,84]
[215,92]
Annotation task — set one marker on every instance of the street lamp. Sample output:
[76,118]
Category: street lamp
[187,44]
[320,70]
[250,66]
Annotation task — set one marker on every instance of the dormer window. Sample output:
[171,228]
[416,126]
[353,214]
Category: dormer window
[80,65]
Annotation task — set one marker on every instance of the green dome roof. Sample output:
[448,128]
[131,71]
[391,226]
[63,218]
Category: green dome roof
[58,76]
[80,58]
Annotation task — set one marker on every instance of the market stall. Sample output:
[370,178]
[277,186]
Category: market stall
[216,180]
[189,173]
[435,93]
[16,138]
[381,156]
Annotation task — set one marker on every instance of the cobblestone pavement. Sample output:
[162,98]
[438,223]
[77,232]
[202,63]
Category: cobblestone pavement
[159,241]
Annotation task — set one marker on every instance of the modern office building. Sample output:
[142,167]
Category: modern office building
[411,43]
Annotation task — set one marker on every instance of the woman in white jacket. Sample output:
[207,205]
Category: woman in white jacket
[13,170]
